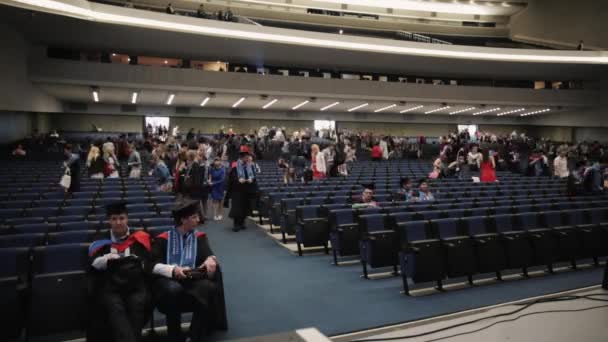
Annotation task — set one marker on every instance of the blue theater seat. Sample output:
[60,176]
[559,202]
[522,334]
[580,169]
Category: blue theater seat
[77,226]
[13,280]
[158,221]
[421,257]
[69,237]
[378,244]
[311,229]
[344,233]
[58,289]
[22,240]
[33,228]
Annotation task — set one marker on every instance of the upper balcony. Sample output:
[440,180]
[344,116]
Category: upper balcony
[112,28]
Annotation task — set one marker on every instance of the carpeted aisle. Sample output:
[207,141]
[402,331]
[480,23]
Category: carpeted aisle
[270,290]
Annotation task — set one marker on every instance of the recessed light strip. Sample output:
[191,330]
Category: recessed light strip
[300,105]
[411,109]
[134,97]
[437,110]
[270,103]
[511,112]
[95,96]
[329,106]
[462,110]
[487,111]
[170,99]
[385,108]
[536,112]
[238,102]
[97,15]
[358,107]
[205,101]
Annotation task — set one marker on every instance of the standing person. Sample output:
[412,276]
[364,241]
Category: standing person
[376,152]
[134,162]
[487,167]
[119,282]
[242,188]
[184,268]
[161,172]
[72,164]
[179,173]
[203,170]
[560,165]
[384,146]
[319,170]
[169,10]
[474,159]
[217,181]
[111,162]
[95,163]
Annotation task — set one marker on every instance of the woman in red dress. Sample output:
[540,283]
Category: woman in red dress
[487,167]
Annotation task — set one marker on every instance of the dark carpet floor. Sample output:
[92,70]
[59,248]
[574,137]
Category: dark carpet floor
[270,290]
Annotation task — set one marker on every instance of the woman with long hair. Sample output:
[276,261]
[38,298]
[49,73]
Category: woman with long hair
[95,163]
[112,164]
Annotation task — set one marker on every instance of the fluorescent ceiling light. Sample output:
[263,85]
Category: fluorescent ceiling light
[411,109]
[511,111]
[535,112]
[170,99]
[295,38]
[329,106]
[300,105]
[506,4]
[270,103]
[95,96]
[487,111]
[205,101]
[437,110]
[134,97]
[238,102]
[384,108]
[358,107]
[462,110]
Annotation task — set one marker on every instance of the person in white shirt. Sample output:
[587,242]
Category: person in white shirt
[384,147]
[560,165]
[474,159]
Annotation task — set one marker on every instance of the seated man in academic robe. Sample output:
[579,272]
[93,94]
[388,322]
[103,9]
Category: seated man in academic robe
[185,267]
[118,279]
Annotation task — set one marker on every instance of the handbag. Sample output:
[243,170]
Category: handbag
[66,179]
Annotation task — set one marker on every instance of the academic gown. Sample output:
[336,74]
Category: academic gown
[121,290]
[203,297]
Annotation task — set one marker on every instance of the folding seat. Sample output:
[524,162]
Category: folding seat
[316,200]
[82,211]
[66,218]
[131,193]
[80,202]
[340,199]
[13,280]
[527,208]
[33,228]
[140,208]
[144,215]
[568,243]
[378,243]
[543,241]
[102,202]
[16,204]
[69,237]
[58,289]
[458,247]
[30,196]
[84,195]
[110,194]
[502,210]
[344,233]
[421,258]
[10,214]
[288,213]
[428,215]
[137,200]
[23,220]
[274,208]
[164,199]
[489,250]
[77,226]
[158,221]
[482,211]
[311,229]
[516,243]
[22,240]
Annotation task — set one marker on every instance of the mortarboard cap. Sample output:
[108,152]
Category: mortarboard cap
[116,208]
[185,209]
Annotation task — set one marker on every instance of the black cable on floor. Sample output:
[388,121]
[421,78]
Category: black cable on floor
[590,296]
[515,319]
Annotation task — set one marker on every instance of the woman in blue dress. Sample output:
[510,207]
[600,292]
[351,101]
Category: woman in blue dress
[217,177]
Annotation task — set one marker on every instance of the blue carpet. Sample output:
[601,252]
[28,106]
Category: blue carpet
[269,290]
